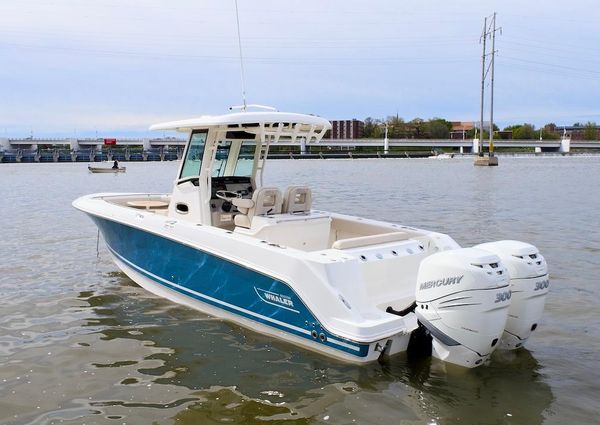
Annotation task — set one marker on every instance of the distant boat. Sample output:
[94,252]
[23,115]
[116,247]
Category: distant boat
[442,156]
[106,170]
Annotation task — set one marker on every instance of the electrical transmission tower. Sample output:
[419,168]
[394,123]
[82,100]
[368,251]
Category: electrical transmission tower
[489,32]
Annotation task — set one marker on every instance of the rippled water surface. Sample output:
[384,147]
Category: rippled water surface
[81,343]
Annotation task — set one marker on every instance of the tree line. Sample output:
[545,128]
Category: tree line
[439,128]
[435,128]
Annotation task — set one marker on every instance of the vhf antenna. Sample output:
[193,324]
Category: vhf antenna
[237,17]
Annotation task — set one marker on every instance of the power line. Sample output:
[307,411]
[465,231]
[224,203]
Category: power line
[561,19]
[563,58]
[225,40]
[551,72]
[550,45]
[265,59]
[570,68]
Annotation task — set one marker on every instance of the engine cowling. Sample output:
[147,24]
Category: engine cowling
[529,284]
[463,296]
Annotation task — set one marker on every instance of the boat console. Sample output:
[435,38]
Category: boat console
[221,209]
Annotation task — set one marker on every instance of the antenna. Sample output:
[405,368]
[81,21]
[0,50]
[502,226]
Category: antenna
[237,17]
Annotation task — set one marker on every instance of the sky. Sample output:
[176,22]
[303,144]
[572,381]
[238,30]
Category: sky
[76,68]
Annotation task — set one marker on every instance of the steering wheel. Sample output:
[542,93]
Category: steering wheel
[227,195]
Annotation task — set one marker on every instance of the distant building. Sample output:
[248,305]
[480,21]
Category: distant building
[577,132]
[346,129]
[460,129]
[503,134]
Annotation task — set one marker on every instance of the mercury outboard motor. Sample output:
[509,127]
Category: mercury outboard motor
[529,283]
[463,296]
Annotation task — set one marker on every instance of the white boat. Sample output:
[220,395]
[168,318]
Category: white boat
[353,288]
[106,169]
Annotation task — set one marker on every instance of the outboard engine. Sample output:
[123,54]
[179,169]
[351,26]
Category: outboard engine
[463,296]
[529,283]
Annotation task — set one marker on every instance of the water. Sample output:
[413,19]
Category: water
[81,343]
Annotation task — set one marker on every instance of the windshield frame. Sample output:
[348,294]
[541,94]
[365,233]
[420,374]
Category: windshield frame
[190,165]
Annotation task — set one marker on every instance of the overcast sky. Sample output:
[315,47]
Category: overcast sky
[77,67]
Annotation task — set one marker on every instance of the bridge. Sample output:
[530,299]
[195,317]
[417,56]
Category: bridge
[563,145]
[90,149]
[75,144]
[168,148]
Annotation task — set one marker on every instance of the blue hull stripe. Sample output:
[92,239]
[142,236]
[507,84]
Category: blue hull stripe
[218,282]
[206,297]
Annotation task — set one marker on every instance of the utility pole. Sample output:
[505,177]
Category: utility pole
[488,31]
[491,147]
[483,38]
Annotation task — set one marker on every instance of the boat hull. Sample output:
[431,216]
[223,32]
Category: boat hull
[97,170]
[222,288]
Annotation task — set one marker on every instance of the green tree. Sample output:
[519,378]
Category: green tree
[416,128]
[502,135]
[551,132]
[370,127]
[396,127]
[590,131]
[523,132]
[379,130]
[438,128]
[511,129]
[475,132]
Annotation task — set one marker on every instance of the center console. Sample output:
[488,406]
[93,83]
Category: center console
[222,212]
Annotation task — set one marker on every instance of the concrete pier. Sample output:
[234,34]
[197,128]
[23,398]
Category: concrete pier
[486,161]
[565,145]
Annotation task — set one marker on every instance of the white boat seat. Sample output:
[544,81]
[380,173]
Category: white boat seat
[243,204]
[297,199]
[369,240]
[265,200]
[147,204]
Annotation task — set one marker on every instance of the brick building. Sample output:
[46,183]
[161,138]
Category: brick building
[460,129]
[577,132]
[346,129]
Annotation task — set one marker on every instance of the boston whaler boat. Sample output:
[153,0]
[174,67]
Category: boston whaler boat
[353,288]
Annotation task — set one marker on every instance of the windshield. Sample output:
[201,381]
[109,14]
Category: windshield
[234,159]
[245,160]
[193,157]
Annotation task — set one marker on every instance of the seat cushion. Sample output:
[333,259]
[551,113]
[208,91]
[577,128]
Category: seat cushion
[242,220]
[243,203]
